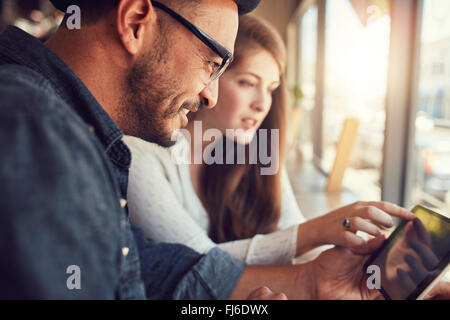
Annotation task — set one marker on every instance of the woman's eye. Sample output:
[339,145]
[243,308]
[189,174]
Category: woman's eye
[245,83]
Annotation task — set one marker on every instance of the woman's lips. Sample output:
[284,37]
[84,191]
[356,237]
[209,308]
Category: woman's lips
[249,123]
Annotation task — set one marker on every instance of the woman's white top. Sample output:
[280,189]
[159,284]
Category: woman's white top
[163,202]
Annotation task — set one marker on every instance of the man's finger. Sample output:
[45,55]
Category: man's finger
[280,296]
[440,292]
[263,291]
[360,224]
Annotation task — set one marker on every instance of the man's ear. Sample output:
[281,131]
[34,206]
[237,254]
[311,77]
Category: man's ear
[133,20]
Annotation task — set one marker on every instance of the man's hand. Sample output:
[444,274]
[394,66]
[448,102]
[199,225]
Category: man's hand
[440,292]
[264,293]
[339,274]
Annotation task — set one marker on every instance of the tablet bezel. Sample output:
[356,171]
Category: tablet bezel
[421,287]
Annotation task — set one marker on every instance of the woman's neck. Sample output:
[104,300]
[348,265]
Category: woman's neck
[197,146]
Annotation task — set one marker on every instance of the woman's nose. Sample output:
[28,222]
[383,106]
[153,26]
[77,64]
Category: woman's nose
[262,102]
[258,107]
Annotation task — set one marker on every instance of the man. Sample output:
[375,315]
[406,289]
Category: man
[135,66]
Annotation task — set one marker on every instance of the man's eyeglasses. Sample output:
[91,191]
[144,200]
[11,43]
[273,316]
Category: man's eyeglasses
[226,56]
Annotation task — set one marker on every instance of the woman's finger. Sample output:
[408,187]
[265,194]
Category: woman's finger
[393,210]
[360,224]
[370,246]
[378,216]
[351,240]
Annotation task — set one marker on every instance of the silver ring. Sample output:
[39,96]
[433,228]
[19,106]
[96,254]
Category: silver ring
[346,223]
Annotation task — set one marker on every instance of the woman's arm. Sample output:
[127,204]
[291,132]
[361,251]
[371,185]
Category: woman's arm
[155,205]
[154,198]
[158,210]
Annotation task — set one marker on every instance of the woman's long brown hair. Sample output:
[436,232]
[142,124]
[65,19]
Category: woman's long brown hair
[239,200]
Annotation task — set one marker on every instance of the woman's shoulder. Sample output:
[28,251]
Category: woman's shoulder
[149,151]
[140,146]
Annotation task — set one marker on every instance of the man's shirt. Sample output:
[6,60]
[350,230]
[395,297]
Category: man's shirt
[65,232]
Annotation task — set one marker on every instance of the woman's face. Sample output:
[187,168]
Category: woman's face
[245,96]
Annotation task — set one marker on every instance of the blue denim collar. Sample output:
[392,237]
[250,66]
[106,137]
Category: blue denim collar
[18,47]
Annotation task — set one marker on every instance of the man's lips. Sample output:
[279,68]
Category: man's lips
[184,110]
[189,108]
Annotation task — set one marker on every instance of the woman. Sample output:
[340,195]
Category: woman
[233,206]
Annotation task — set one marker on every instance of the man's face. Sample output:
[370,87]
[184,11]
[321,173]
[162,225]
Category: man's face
[170,79]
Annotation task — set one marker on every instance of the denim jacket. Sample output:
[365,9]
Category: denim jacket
[65,232]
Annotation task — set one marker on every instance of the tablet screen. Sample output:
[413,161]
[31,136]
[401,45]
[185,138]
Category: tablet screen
[414,255]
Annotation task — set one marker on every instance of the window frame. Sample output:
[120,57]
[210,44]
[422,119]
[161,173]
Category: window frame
[401,95]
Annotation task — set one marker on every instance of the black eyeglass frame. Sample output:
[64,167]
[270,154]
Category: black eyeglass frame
[215,46]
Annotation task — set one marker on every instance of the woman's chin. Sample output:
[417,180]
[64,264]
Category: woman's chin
[245,137]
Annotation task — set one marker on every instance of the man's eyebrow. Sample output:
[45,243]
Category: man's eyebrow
[210,53]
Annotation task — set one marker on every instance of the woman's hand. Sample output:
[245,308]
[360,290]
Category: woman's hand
[362,216]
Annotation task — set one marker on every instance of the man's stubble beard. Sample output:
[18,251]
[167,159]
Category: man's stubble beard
[150,97]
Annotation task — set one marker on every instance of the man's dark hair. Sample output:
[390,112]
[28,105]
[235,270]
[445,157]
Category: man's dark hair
[92,10]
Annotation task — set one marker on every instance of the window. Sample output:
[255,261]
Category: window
[306,77]
[356,65]
[37,17]
[431,181]
[308,47]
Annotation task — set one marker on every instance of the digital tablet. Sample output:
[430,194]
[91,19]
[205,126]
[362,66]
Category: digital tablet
[415,256]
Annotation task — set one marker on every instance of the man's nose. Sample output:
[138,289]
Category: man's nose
[209,95]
